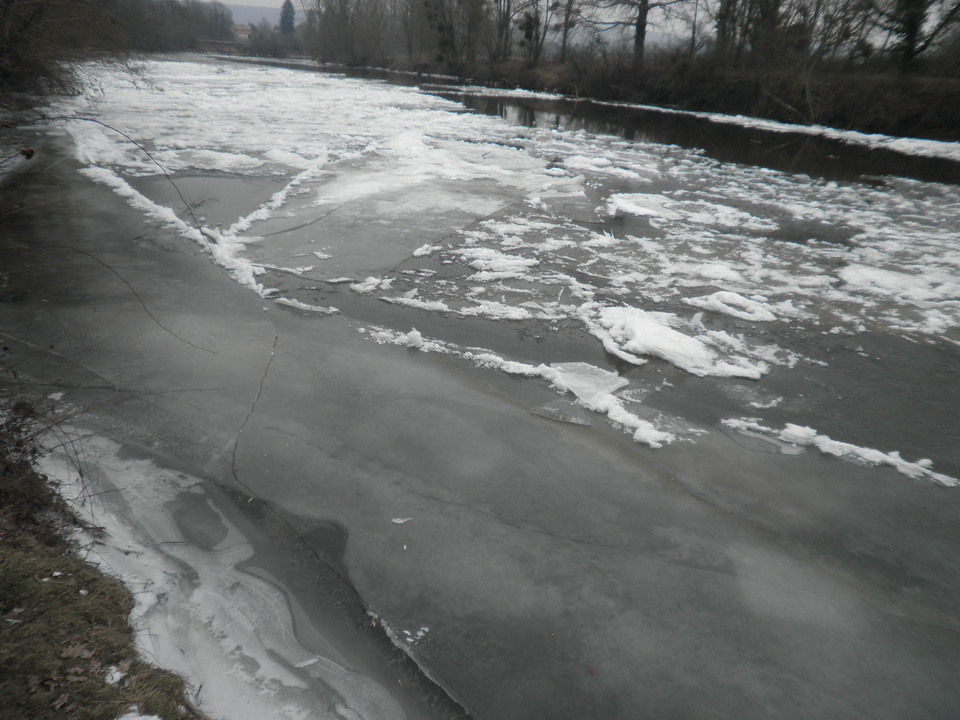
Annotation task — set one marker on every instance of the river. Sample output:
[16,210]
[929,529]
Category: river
[596,412]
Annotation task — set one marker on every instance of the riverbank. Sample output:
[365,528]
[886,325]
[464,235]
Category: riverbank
[67,647]
[887,103]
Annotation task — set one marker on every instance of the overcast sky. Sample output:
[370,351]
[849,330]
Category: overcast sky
[259,3]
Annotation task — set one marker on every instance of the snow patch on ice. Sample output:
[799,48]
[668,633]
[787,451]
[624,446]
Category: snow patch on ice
[808,437]
[427,249]
[414,339]
[603,166]
[371,285]
[640,204]
[495,311]
[495,265]
[731,303]
[304,306]
[631,332]
[433,305]
[697,212]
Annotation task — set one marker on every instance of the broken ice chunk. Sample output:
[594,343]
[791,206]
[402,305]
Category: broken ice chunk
[586,381]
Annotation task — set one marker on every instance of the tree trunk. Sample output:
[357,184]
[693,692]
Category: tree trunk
[640,33]
[726,17]
[565,31]
[913,15]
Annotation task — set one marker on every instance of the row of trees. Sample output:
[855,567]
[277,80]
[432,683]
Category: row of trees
[459,32]
[174,24]
[40,39]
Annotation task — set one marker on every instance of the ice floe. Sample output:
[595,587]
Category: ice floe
[630,333]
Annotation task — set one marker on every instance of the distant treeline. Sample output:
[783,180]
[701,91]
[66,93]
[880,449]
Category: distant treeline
[461,33]
[40,39]
[879,65]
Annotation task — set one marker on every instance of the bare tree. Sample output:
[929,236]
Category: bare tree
[916,25]
[503,15]
[40,38]
[570,12]
[634,14]
[534,24]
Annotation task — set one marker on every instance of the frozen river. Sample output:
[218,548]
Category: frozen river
[595,426]
[526,250]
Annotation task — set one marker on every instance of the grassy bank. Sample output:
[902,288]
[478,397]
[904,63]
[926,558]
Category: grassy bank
[67,650]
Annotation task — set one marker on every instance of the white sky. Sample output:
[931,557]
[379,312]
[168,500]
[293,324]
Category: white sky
[258,3]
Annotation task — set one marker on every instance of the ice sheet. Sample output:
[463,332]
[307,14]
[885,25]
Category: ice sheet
[655,251]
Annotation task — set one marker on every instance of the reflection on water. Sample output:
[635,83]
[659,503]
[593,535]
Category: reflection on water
[786,151]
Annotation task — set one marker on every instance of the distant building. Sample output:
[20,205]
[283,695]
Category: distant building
[242,33]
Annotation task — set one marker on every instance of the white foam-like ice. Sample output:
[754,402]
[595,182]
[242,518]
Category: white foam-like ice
[633,332]
[738,306]
[495,311]
[859,257]
[371,285]
[808,437]
[299,305]
[695,212]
